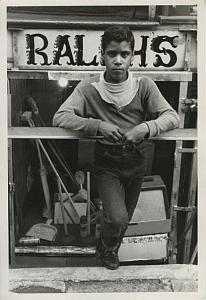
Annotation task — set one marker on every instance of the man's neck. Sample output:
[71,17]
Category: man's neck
[113,82]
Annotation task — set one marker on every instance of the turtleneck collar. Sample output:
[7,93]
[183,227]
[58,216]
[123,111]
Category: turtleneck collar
[119,94]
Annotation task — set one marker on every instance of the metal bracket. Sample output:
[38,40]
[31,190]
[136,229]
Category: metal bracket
[188,104]
[187,150]
[183,208]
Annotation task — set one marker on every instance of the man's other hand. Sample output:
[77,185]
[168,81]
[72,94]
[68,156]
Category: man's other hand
[110,132]
[136,134]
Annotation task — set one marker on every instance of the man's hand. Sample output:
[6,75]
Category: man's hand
[110,132]
[136,134]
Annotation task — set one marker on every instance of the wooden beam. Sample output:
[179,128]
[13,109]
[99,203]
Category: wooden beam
[176,178]
[177,19]
[81,74]
[11,199]
[15,48]
[75,23]
[186,134]
[152,12]
[191,202]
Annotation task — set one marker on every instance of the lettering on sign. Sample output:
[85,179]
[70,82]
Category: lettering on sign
[72,49]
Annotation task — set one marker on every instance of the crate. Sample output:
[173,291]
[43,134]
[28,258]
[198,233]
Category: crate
[151,215]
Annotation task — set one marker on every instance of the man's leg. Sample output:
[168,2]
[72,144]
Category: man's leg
[132,193]
[112,194]
[133,178]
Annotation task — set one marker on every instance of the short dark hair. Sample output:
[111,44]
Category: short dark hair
[118,34]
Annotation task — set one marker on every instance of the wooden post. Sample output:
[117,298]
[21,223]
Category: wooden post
[191,202]
[152,12]
[176,178]
[88,205]
[15,48]
[11,188]
[188,46]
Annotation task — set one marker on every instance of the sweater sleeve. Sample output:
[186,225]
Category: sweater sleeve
[163,116]
[71,115]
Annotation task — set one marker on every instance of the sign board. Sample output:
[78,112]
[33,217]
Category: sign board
[80,49]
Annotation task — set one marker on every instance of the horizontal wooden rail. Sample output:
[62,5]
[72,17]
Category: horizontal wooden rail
[71,22]
[85,74]
[177,19]
[184,134]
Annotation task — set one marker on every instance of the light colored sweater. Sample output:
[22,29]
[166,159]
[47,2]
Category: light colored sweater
[84,110]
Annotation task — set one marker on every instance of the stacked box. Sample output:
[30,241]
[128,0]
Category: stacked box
[147,235]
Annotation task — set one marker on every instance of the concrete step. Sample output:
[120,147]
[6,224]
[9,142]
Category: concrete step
[150,278]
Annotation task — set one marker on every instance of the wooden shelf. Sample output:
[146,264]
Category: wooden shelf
[184,134]
[84,74]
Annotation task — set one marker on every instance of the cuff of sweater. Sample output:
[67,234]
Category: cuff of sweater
[152,128]
[93,126]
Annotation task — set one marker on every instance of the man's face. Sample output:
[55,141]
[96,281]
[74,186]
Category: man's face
[117,58]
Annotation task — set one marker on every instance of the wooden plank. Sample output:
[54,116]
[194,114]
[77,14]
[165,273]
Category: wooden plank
[54,250]
[76,23]
[188,51]
[190,27]
[84,251]
[62,133]
[152,12]
[46,133]
[81,74]
[191,202]
[180,134]
[177,19]
[176,178]
[15,48]
[11,190]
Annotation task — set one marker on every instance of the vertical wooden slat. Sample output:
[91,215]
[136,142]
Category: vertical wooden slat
[15,48]
[11,188]
[188,46]
[152,12]
[176,179]
[191,202]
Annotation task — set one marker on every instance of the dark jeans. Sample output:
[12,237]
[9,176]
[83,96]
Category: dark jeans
[119,172]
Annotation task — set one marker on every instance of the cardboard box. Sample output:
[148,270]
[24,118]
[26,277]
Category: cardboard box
[80,207]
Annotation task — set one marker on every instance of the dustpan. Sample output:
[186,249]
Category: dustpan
[43,231]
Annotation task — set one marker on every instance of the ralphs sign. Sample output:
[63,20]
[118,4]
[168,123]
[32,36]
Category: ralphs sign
[72,49]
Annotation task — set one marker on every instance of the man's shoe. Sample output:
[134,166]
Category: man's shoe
[108,255]
[110,260]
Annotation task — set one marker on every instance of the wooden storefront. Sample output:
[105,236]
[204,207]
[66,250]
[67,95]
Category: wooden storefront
[45,47]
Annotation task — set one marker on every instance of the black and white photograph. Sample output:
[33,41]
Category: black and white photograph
[102,105]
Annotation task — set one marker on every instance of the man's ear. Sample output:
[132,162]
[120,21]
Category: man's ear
[131,61]
[102,60]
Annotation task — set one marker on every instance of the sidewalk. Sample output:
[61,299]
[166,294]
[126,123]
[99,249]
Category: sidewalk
[150,278]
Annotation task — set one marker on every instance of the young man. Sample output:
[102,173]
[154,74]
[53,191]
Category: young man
[117,106]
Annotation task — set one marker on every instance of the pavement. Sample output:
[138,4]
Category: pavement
[138,278]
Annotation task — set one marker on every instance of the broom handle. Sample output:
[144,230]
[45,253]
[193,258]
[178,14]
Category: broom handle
[51,144]
[75,216]
[43,176]
[62,206]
